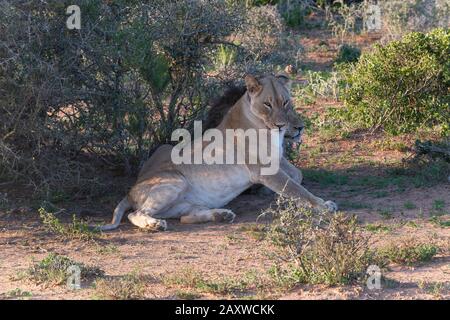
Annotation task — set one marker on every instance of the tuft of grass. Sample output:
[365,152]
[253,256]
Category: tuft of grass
[77,229]
[437,289]
[129,287]
[106,249]
[17,293]
[409,252]
[321,248]
[187,295]
[53,270]
[438,207]
[440,222]
[189,278]
[186,277]
[412,224]
[381,194]
[255,230]
[354,205]
[390,144]
[377,228]
[385,213]
[409,205]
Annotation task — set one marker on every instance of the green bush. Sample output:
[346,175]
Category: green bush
[348,53]
[401,86]
[410,252]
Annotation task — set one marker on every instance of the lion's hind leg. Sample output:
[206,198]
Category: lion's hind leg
[201,215]
[155,201]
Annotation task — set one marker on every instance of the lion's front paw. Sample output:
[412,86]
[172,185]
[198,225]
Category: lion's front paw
[330,206]
[224,215]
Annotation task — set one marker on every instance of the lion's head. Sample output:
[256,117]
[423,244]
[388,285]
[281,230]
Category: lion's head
[270,101]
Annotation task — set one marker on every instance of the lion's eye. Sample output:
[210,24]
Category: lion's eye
[268,105]
[286,103]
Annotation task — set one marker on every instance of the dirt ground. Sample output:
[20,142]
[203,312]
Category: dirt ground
[218,250]
[231,250]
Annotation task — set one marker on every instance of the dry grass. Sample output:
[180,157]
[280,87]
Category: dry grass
[132,286]
[320,248]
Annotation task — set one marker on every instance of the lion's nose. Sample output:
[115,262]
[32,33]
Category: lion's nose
[299,128]
[281,125]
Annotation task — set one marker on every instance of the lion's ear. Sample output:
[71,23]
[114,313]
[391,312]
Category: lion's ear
[285,80]
[252,84]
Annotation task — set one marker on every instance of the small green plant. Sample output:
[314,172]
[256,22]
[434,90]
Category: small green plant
[321,248]
[381,194]
[129,287]
[77,229]
[106,249]
[255,230]
[347,54]
[354,205]
[409,205]
[54,270]
[225,56]
[187,295]
[439,205]
[377,227]
[385,213]
[409,252]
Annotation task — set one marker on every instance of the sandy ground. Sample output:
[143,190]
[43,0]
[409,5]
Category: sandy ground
[218,250]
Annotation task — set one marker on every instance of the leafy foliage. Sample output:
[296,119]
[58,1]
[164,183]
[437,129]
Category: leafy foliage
[401,86]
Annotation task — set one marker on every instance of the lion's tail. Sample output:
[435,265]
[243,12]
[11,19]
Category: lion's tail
[121,208]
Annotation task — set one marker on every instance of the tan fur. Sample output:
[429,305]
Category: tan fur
[197,193]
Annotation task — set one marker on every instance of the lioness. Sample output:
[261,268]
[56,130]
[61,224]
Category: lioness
[197,193]
[220,107]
